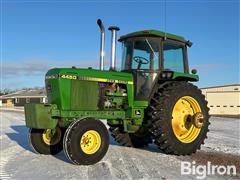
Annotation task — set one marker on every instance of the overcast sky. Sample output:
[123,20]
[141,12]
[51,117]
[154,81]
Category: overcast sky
[38,35]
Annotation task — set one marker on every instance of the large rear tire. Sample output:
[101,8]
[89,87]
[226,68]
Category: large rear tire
[86,141]
[179,117]
[42,143]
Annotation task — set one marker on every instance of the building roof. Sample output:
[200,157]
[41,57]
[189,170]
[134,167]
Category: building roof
[228,85]
[154,33]
[25,94]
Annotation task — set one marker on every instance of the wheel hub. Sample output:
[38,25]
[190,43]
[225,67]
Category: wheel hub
[90,142]
[52,136]
[187,119]
[197,120]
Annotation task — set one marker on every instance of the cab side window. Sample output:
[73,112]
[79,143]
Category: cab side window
[173,57]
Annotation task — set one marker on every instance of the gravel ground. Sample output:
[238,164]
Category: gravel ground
[19,162]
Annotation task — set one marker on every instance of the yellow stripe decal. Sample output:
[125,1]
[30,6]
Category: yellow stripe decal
[88,79]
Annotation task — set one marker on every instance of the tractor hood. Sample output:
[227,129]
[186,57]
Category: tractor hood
[78,89]
[89,75]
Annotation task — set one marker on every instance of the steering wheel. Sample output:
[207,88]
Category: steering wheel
[140,60]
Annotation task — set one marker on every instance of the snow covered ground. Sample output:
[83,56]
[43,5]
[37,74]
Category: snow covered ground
[18,161]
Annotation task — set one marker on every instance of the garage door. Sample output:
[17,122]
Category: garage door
[224,103]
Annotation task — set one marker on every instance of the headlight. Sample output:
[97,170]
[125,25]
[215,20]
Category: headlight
[166,75]
[169,75]
[55,76]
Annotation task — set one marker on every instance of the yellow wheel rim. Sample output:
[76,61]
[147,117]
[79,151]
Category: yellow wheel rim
[90,142]
[183,114]
[52,136]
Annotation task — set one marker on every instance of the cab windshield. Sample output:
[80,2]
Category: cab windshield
[141,54]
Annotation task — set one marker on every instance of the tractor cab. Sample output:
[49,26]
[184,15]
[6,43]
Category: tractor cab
[146,54]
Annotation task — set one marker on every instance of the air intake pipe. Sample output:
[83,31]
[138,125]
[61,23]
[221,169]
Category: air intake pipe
[102,44]
[114,30]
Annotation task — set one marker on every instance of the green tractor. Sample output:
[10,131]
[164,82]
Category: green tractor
[150,100]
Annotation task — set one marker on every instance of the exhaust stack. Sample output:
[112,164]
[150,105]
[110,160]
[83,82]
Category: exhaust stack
[102,43]
[114,30]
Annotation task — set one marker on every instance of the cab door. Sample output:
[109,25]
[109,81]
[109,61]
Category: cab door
[145,65]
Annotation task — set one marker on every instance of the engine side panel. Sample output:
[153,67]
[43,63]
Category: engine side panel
[84,95]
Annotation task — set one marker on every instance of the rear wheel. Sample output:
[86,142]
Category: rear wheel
[46,141]
[86,141]
[179,117]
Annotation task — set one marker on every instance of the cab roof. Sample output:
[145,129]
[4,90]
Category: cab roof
[154,33]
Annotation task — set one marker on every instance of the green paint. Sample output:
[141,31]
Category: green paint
[140,104]
[130,91]
[185,76]
[72,99]
[153,33]
[41,116]
[94,73]
[129,126]
[84,95]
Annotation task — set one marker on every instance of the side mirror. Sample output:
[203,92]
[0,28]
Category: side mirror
[194,71]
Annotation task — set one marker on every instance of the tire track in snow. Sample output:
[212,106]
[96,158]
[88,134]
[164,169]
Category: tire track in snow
[6,157]
[3,174]
[118,167]
[100,170]
[129,165]
[157,167]
[147,166]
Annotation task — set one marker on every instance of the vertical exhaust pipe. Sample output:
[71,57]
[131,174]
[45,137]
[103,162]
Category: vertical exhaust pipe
[102,43]
[114,30]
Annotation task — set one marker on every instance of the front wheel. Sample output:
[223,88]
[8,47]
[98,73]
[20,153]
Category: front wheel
[46,141]
[179,116]
[86,141]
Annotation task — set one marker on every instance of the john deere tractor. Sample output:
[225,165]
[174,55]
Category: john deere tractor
[149,100]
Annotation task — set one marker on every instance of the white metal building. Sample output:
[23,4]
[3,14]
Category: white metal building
[223,100]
